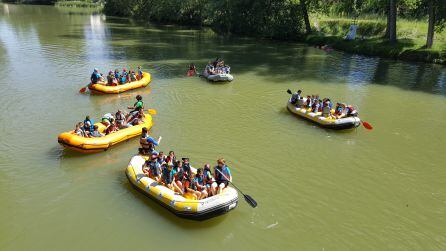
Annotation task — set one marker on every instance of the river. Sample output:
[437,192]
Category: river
[317,189]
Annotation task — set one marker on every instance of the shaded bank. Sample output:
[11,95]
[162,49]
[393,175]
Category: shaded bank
[279,20]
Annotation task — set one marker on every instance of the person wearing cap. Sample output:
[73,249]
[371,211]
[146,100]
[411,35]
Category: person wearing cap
[295,97]
[152,168]
[222,176]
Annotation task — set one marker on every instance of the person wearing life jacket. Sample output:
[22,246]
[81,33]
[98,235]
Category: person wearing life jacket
[124,75]
[79,131]
[171,158]
[117,75]
[351,111]
[152,168]
[208,179]
[133,76]
[138,104]
[95,133]
[295,97]
[199,184]
[190,187]
[308,102]
[179,175]
[95,76]
[106,119]
[161,157]
[222,176]
[148,143]
[340,111]
[326,109]
[168,178]
[140,75]
[301,102]
[112,127]
[120,119]
[186,166]
[315,107]
[88,124]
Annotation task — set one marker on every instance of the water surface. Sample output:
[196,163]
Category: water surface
[317,189]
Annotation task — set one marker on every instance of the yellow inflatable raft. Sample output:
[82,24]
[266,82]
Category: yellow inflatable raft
[92,145]
[105,89]
[174,202]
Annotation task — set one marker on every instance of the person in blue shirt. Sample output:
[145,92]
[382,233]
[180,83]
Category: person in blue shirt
[199,184]
[139,73]
[222,176]
[152,168]
[88,124]
[148,143]
[95,76]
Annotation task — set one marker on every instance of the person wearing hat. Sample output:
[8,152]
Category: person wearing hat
[152,168]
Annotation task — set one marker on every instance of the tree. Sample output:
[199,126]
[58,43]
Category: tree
[303,6]
[437,19]
[391,21]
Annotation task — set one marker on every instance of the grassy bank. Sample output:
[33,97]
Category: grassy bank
[371,30]
[80,6]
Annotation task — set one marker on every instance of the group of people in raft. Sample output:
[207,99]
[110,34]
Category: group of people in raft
[121,120]
[217,67]
[177,174]
[115,78]
[322,107]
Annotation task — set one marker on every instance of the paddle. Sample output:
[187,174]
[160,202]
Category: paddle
[289,91]
[152,111]
[367,125]
[84,89]
[248,198]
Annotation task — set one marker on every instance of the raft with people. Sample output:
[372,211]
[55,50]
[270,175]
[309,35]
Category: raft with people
[117,82]
[102,141]
[217,71]
[190,196]
[321,112]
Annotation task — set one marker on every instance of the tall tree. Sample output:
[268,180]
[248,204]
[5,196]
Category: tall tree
[391,21]
[303,6]
[437,19]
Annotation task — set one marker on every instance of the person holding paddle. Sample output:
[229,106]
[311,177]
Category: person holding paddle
[222,176]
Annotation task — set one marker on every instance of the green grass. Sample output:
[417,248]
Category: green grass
[80,6]
[371,29]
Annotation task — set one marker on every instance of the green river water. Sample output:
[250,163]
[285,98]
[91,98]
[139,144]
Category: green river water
[317,189]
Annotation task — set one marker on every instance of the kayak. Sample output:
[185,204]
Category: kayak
[181,206]
[106,89]
[93,145]
[218,77]
[331,123]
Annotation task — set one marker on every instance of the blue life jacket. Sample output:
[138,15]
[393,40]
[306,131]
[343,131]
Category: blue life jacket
[91,125]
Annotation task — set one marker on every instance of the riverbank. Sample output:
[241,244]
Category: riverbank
[80,6]
[369,39]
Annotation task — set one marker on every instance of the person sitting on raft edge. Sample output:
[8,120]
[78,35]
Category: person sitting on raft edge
[148,143]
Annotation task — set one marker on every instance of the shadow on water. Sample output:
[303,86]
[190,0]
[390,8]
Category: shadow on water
[170,49]
[163,212]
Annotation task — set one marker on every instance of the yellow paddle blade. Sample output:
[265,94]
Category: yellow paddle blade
[152,111]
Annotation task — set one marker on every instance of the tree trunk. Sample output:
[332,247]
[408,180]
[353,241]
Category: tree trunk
[391,25]
[303,5]
[430,29]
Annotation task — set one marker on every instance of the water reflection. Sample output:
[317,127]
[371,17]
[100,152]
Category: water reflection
[96,36]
